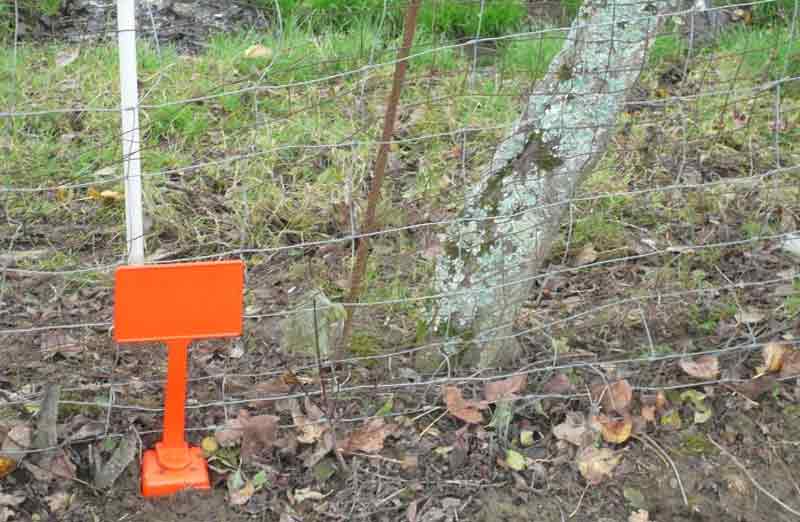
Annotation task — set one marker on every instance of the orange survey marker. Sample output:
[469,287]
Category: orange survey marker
[176,304]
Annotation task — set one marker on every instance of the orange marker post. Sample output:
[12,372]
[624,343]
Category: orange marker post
[176,304]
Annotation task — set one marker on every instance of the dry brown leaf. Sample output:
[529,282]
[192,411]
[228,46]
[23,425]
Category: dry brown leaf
[791,364]
[774,354]
[58,342]
[369,438]
[308,425]
[468,411]
[325,446]
[749,316]
[260,432]
[67,56]
[587,255]
[276,386]
[661,400]
[12,452]
[304,494]
[704,367]
[231,433]
[410,462]
[755,388]
[58,501]
[504,389]
[596,464]
[639,516]
[254,433]
[11,500]
[615,431]
[649,413]
[558,384]
[7,465]
[617,396]
[573,429]
[55,468]
[258,51]
[241,496]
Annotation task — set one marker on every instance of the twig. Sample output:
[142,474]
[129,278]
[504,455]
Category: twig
[437,419]
[330,408]
[375,457]
[580,501]
[755,483]
[665,458]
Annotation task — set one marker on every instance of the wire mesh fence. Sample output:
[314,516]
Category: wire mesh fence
[259,144]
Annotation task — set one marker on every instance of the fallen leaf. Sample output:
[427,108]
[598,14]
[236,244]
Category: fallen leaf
[231,433]
[11,500]
[58,342]
[260,432]
[704,367]
[303,494]
[239,490]
[639,516]
[258,51]
[526,438]
[749,316]
[67,56]
[369,438]
[58,501]
[276,386]
[89,430]
[309,427]
[17,441]
[791,364]
[516,460]
[7,465]
[617,396]
[573,429]
[586,256]
[209,445]
[111,195]
[324,446]
[254,433]
[505,389]
[649,413]
[774,354]
[410,462]
[558,384]
[702,411]
[596,464]
[661,400]
[672,419]
[468,411]
[615,431]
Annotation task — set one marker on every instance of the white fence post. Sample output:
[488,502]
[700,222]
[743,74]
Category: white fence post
[131,144]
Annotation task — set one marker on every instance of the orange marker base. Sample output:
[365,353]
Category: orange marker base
[159,479]
[177,304]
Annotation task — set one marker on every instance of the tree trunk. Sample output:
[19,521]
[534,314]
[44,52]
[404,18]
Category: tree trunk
[512,216]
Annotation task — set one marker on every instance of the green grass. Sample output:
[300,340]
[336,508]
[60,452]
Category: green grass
[764,51]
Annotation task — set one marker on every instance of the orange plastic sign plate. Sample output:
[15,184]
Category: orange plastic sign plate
[178,301]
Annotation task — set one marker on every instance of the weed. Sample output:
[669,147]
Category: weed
[763,51]
[791,303]
[468,19]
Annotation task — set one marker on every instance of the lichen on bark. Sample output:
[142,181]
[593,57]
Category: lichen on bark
[512,216]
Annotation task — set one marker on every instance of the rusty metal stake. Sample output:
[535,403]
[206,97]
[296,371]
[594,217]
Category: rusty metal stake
[389,119]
